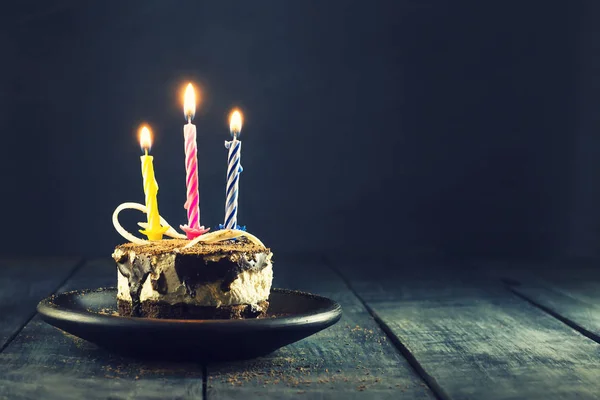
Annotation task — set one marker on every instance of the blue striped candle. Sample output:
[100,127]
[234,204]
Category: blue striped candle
[234,169]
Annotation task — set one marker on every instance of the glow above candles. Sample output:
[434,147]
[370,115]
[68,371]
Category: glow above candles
[154,230]
[234,169]
[192,204]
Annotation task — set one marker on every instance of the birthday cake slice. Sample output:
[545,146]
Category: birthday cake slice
[225,274]
[228,279]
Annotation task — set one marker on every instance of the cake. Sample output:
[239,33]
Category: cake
[228,279]
[226,273]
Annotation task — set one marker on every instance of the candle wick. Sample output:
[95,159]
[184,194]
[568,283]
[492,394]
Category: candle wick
[189,117]
[146,151]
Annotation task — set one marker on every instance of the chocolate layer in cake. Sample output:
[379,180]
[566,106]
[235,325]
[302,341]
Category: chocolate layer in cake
[161,275]
[159,309]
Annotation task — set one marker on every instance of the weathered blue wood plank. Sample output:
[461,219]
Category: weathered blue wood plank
[352,359]
[580,315]
[475,338]
[23,283]
[46,363]
[569,291]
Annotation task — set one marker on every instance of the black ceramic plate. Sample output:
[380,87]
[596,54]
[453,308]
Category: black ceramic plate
[91,315]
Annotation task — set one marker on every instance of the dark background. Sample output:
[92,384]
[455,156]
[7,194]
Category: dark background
[410,127]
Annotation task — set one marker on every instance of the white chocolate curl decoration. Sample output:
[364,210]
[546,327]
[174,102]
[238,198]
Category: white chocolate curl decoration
[213,237]
[133,239]
[223,234]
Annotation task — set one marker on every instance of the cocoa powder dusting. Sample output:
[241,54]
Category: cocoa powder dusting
[169,245]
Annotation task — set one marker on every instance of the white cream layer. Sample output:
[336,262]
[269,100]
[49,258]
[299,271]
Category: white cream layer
[250,287]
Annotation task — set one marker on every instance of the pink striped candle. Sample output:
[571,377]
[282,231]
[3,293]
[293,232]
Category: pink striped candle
[193,229]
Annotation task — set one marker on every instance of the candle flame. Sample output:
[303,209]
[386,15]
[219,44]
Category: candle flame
[145,137]
[189,102]
[235,123]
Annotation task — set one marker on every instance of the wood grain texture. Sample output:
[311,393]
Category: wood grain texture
[46,363]
[23,283]
[475,338]
[581,316]
[569,291]
[352,359]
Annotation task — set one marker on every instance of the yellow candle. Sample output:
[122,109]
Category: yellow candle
[154,231]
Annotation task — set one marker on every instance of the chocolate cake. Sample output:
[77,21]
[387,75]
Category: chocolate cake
[223,280]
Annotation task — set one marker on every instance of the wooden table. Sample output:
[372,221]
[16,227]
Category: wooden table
[486,330]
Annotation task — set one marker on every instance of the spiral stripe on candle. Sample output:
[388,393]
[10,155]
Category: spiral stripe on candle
[233,152]
[150,188]
[233,173]
[230,220]
[232,187]
[191,167]
[148,183]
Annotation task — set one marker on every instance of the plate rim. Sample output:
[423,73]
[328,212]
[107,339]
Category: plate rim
[49,310]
